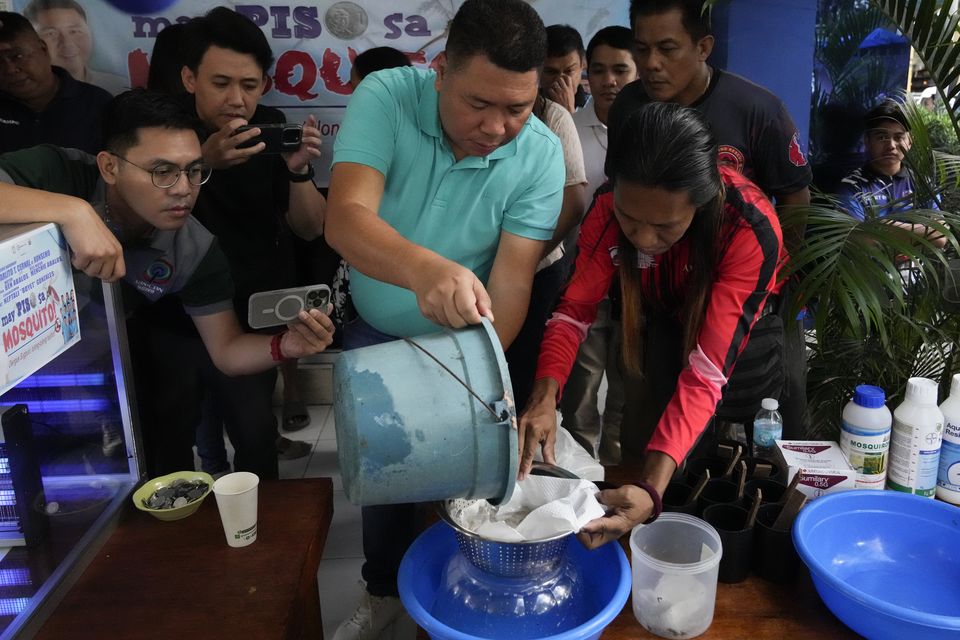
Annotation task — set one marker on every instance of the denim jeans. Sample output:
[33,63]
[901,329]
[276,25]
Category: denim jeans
[388,530]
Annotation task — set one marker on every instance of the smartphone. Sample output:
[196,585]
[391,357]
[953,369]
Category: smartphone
[272,308]
[280,137]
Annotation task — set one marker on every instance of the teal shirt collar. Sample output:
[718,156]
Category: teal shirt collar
[428,118]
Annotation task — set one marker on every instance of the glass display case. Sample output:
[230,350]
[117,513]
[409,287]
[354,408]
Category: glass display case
[69,458]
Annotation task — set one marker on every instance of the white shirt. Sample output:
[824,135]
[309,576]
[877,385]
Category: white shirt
[593,141]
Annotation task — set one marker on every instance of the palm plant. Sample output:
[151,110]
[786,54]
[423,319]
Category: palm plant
[874,320]
[870,325]
[883,300]
[933,30]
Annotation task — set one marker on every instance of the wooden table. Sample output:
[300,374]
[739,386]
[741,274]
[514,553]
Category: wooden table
[751,609]
[179,579]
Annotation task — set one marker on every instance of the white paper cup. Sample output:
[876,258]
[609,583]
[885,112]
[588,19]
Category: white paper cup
[237,502]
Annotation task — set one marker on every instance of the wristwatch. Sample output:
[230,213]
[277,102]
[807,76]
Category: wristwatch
[301,177]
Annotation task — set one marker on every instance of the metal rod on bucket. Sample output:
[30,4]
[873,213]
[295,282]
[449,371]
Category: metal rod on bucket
[485,404]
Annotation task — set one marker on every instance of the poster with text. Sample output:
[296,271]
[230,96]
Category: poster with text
[38,310]
[313,43]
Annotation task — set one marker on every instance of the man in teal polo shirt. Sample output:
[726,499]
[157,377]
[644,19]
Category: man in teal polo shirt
[443,194]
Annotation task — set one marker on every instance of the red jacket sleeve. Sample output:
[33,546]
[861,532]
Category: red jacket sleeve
[593,272]
[746,275]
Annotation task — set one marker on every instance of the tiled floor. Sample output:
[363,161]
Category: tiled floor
[339,575]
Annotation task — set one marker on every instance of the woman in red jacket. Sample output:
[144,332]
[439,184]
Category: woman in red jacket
[698,247]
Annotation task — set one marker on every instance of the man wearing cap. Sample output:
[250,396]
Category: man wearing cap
[884,185]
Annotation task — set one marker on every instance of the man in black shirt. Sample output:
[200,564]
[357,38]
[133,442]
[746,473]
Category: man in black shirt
[40,103]
[755,132]
[248,199]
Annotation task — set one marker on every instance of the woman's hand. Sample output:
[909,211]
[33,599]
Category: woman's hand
[538,424]
[628,506]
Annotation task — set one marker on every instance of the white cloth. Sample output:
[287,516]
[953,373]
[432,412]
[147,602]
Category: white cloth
[541,507]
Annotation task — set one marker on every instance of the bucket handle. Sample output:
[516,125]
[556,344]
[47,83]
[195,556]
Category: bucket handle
[486,405]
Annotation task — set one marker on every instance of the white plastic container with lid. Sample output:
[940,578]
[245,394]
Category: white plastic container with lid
[865,435]
[948,478]
[915,440]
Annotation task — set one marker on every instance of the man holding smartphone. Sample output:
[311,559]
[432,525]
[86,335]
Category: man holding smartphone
[246,203]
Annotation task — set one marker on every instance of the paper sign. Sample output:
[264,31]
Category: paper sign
[38,310]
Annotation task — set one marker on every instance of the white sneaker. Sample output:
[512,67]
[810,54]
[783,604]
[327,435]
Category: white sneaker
[371,618]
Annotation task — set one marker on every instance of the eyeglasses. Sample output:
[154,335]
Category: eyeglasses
[165,175]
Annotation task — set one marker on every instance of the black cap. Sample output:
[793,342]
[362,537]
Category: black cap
[886,110]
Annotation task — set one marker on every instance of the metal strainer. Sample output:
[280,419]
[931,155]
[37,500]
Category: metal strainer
[510,559]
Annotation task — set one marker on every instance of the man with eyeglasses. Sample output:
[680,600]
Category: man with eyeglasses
[884,185]
[126,214]
[41,103]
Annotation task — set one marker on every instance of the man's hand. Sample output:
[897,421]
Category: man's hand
[630,506]
[309,150]
[220,150]
[538,425]
[451,295]
[312,334]
[563,91]
[96,251]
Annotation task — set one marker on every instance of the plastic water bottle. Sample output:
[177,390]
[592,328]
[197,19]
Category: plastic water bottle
[948,478]
[865,435]
[915,441]
[767,429]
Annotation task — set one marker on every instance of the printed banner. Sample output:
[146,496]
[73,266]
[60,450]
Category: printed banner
[313,43]
[38,311]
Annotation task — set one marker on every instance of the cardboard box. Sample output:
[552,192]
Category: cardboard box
[821,464]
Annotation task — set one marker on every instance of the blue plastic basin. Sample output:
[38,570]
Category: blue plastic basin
[885,563]
[604,586]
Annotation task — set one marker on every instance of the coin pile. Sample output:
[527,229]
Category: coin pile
[176,494]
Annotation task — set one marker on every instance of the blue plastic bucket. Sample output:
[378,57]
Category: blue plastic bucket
[408,431]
